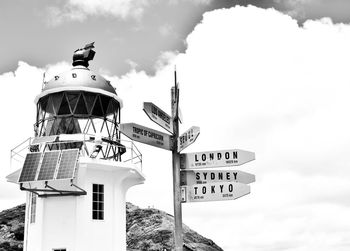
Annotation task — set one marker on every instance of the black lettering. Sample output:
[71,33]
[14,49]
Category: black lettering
[227,155]
[235,175]
[212,189]
[220,176]
[230,188]
[195,157]
[154,110]
[211,156]
[204,190]
[212,176]
[205,176]
[195,190]
[198,177]
[221,188]
[235,155]
[219,156]
[204,157]
[74,75]
[228,176]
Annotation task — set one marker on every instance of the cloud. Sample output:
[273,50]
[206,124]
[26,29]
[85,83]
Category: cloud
[296,8]
[79,10]
[264,84]
[204,2]
[260,83]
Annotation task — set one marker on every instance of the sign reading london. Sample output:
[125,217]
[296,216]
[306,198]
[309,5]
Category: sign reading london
[215,192]
[147,135]
[158,116]
[187,138]
[191,177]
[222,158]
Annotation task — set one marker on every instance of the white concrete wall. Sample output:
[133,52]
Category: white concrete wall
[66,222]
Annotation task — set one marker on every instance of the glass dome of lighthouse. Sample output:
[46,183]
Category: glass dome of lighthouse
[81,103]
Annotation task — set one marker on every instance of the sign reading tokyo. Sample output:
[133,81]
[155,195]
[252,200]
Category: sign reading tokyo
[223,158]
[190,177]
[158,116]
[146,135]
[187,138]
[215,192]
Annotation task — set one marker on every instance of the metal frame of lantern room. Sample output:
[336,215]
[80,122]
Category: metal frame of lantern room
[75,110]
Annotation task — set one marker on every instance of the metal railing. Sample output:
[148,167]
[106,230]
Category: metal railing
[120,151]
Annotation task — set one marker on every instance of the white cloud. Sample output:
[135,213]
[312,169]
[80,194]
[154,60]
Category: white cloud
[79,10]
[264,84]
[204,2]
[259,83]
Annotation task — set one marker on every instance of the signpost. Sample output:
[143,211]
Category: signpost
[187,138]
[215,192]
[191,177]
[209,159]
[192,185]
[158,116]
[147,135]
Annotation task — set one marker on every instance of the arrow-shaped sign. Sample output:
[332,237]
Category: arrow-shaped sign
[209,159]
[190,177]
[147,135]
[158,116]
[187,138]
[214,192]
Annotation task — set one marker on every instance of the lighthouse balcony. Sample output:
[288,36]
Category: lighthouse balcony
[50,165]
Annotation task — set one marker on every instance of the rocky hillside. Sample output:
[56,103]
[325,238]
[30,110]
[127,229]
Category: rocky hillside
[12,229]
[147,229]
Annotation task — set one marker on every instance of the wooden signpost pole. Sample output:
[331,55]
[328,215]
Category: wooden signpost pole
[192,184]
[178,236]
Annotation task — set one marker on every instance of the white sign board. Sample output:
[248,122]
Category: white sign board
[190,177]
[187,138]
[215,192]
[209,159]
[147,135]
[158,116]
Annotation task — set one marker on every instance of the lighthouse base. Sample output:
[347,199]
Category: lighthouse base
[95,221]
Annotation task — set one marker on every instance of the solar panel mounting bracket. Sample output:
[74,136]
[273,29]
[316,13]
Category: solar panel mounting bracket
[53,191]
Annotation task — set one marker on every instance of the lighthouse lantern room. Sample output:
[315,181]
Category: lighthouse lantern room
[76,170]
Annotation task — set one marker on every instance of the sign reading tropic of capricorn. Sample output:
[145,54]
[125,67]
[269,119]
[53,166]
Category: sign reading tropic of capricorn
[193,181]
[147,135]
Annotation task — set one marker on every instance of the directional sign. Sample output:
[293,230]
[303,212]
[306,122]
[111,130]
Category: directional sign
[147,135]
[190,177]
[158,116]
[187,138]
[179,115]
[222,158]
[215,191]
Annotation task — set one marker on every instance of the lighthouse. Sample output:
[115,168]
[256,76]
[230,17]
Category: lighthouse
[76,170]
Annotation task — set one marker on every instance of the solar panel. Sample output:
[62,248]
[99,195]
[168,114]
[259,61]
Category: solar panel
[30,166]
[44,139]
[67,164]
[48,165]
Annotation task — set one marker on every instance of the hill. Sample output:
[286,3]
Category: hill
[146,229]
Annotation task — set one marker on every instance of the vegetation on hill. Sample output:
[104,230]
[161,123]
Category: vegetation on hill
[146,229]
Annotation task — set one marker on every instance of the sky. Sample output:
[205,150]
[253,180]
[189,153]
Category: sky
[264,76]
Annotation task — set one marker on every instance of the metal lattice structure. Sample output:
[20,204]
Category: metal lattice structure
[79,112]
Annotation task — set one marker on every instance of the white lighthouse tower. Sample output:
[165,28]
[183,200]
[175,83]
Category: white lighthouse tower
[77,170]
